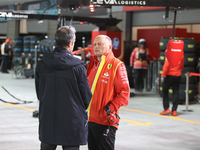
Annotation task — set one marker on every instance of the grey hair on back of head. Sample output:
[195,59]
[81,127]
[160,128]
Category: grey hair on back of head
[64,35]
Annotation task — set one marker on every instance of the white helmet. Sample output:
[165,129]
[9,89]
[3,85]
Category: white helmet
[142,41]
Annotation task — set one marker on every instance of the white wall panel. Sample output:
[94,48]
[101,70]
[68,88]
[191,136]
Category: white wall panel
[34,27]
[155,17]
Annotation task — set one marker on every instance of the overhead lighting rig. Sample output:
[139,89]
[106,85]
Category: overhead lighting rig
[92,7]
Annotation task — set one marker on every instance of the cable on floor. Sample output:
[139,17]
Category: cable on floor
[22,101]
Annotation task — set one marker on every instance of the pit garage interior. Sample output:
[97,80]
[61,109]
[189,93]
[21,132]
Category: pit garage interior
[141,127]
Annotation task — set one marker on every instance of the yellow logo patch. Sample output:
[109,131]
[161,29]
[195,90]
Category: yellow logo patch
[190,46]
[109,66]
[162,57]
[190,59]
[161,43]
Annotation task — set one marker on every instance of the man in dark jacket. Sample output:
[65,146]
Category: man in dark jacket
[64,94]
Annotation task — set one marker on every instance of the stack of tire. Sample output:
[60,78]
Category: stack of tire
[190,62]
[18,49]
[46,45]
[28,70]
[26,48]
[33,42]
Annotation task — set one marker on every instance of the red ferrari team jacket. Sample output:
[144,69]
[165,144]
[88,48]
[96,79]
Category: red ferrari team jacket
[135,62]
[172,71]
[109,85]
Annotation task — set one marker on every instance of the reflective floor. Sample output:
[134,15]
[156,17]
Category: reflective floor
[141,127]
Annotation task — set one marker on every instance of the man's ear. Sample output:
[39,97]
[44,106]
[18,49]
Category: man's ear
[70,44]
[110,47]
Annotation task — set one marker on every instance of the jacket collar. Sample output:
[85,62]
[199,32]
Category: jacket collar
[61,50]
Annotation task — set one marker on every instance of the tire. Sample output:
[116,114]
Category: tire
[160,69]
[18,48]
[192,79]
[18,41]
[163,43]
[33,40]
[17,54]
[32,48]
[198,49]
[26,41]
[26,49]
[33,43]
[182,92]
[162,57]
[190,59]
[189,45]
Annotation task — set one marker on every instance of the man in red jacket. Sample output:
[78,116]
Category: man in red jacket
[109,84]
[171,77]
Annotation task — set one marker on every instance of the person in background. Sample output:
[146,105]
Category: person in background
[171,77]
[5,53]
[139,63]
[109,84]
[2,47]
[10,54]
[2,53]
[64,94]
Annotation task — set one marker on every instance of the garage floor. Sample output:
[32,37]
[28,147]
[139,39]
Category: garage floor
[141,126]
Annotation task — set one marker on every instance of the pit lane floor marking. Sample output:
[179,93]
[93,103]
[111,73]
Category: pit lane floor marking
[9,104]
[139,111]
[131,122]
[171,117]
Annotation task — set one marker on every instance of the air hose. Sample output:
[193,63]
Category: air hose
[21,101]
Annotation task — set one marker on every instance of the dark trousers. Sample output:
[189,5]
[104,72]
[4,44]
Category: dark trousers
[45,146]
[98,139]
[10,58]
[139,75]
[5,64]
[174,82]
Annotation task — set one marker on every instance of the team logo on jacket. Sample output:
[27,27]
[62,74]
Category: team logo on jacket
[106,74]
[105,77]
[109,66]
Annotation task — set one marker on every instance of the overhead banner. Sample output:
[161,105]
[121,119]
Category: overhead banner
[13,15]
[170,3]
[120,2]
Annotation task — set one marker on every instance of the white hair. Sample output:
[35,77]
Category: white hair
[108,39]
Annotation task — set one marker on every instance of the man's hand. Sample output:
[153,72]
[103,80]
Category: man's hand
[107,109]
[162,79]
[111,117]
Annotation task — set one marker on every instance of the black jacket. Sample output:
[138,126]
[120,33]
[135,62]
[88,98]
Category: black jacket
[64,94]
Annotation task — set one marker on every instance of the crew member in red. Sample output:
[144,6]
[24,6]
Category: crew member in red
[171,77]
[139,61]
[109,84]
